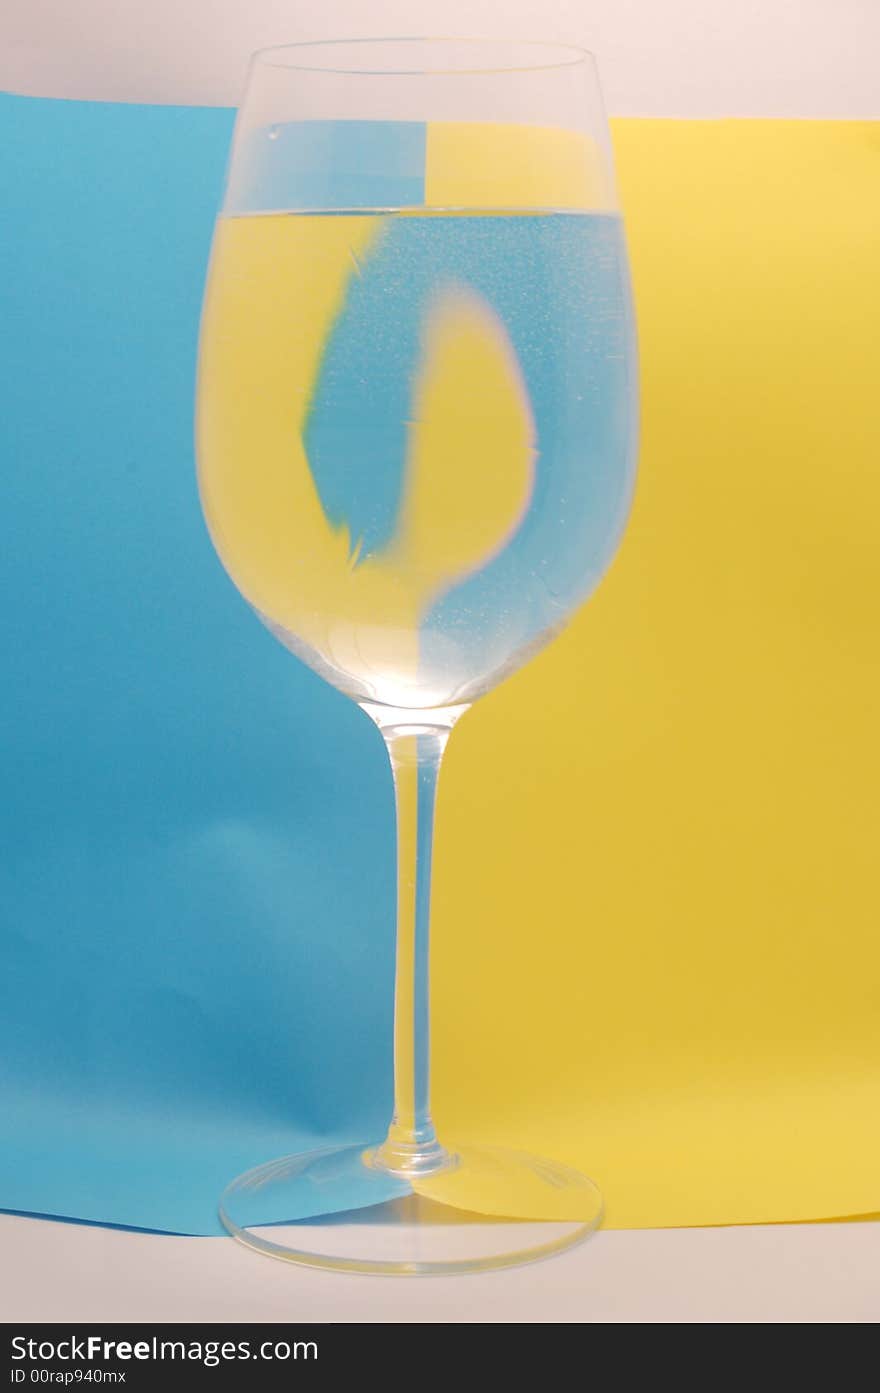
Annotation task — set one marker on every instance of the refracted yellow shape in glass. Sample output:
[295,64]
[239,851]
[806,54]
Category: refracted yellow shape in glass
[277,287]
[471,451]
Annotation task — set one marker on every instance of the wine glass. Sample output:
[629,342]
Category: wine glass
[416,443]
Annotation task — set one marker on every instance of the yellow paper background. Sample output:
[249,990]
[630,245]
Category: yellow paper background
[656,911]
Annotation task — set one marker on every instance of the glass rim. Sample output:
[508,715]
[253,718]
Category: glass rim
[577,56]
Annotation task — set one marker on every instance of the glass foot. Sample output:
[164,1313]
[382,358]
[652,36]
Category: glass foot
[339,1209]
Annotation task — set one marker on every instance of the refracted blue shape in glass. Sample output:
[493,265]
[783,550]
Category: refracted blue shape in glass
[556,285]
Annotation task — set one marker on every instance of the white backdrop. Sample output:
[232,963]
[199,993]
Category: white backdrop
[780,58]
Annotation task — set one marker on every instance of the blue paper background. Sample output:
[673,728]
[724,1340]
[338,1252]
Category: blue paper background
[196,851]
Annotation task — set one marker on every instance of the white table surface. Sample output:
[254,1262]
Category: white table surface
[790,1273]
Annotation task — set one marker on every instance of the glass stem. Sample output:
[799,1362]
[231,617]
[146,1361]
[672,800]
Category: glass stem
[411,1146]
